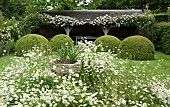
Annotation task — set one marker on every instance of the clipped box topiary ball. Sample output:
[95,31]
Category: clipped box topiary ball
[26,43]
[59,41]
[137,48]
[107,42]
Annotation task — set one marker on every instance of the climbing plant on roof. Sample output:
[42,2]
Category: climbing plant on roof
[66,22]
[105,22]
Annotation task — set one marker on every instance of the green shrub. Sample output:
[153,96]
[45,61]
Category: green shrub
[26,43]
[9,30]
[168,12]
[162,17]
[107,42]
[7,48]
[1,48]
[138,48]
[166,44]
[59,41]
[30,23]
[165,40]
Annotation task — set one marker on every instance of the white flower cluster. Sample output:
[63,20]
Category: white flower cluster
[105,20]
[62,21]
[123,20]
[6,31]
[160,91]
[45,18]
[28,81]
[133,20]
[119,83]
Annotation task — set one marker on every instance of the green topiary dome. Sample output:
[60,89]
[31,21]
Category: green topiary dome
[26,43]
[59,41]
[108,42]
[138,48]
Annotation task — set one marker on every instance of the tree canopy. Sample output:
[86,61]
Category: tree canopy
[154,5]
[16,8]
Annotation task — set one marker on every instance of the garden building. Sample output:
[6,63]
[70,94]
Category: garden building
[89,31]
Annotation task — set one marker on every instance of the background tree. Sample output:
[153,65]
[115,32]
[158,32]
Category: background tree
[46,5]
[154,5]
[12,8]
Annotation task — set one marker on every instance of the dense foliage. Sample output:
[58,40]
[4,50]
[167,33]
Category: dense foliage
[7,48]
[107,43]
[59,41]
[27,42]
[9,33]
[12,8]
[138,48]
[30,23]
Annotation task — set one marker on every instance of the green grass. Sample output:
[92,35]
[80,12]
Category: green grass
[4,61]
[160,67]
[161,64]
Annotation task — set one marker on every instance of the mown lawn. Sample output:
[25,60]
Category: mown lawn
[161,64]
[160,67]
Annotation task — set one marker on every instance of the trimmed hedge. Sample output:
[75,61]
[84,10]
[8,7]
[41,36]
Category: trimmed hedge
[166,44]
[137,48]
[26,43]
[162,17]
[107,42]
[165,38]
[158,33]
[59,41]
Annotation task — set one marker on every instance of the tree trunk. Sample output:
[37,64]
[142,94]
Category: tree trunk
[105,30]
[67,30]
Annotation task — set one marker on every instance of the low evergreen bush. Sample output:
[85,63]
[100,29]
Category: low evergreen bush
[26,43]
[60,41]
[107,42]
[137,48]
